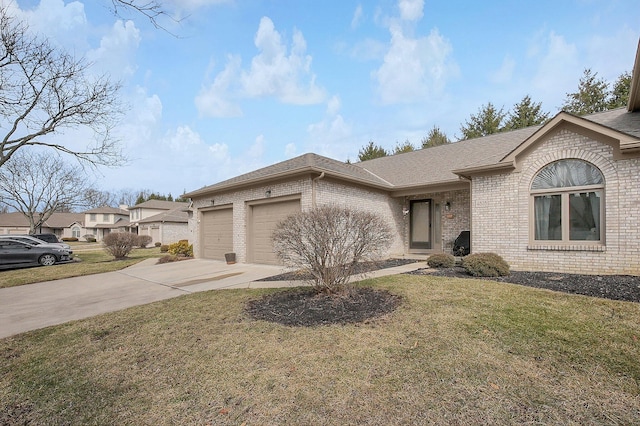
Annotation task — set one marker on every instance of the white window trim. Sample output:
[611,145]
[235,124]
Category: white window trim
[566,243]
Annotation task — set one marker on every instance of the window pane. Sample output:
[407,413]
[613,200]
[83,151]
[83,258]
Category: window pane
[548,217]
[584,216]
[567,173]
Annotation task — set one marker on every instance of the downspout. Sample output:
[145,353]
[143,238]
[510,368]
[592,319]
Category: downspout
[313,189]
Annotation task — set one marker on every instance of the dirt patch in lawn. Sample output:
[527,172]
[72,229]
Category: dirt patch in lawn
[307,308]
[614,287]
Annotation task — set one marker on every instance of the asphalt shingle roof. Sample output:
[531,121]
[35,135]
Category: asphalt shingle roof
[422,167]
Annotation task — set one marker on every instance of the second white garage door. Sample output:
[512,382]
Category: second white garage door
[263,220]
[217,233]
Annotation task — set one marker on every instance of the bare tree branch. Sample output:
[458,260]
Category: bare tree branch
[45,90]
[151,9]
[37,185]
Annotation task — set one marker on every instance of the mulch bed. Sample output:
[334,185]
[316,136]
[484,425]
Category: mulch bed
[306,307]
[614,287]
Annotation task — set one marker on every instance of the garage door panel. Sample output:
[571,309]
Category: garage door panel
[217,233]
[264,218]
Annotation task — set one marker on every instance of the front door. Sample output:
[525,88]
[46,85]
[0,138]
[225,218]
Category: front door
[420,224]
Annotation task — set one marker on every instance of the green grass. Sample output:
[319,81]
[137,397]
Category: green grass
[93,262]
[456,352]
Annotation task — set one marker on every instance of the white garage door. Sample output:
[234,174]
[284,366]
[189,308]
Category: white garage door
[264,218]
[217,233]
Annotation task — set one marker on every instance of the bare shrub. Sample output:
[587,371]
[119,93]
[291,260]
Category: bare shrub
[144,240]
[329,241]
[120,244]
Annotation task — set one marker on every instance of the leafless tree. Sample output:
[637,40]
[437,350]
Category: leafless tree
[93,198]
[37,185]
[153,10]
[45,90]
[328,242]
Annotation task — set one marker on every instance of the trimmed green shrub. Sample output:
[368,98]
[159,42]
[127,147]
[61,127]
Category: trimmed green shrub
[164,248]
[485,265]
[144,240]
[181,248]
[90,238]
[65,239]
[441,260]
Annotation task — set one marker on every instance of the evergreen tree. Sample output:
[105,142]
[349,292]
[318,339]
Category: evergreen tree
[371,151]
[592,95]
[434,138]
[486,122]
[619,95]
[405,147]
[524,114]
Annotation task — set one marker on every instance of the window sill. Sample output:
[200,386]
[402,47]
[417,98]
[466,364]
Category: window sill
[575,247]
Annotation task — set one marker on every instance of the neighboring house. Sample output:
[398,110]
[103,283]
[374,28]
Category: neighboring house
[60,224]
[165,221]
[100,221]
[561,197]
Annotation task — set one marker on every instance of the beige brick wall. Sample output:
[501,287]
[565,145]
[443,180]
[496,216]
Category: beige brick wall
[501,205]
[327,192]
[239,201]
[331,192]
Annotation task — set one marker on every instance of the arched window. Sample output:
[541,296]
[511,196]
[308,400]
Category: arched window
[75,231]
[567,198]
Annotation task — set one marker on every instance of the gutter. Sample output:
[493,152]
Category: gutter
[313,188]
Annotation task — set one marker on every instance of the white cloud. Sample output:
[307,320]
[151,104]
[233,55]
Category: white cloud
[558,67]
[116,54]
[411,10]
[327,136]
[357,17]
[505,73]
[273,72]
[217,100]
[290,150]
[414,68]
[257,149]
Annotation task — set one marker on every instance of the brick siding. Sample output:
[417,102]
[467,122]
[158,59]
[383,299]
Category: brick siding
[501,211]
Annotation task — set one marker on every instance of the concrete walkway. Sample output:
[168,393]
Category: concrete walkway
[34,306]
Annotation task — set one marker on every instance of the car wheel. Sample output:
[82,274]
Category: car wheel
[47,260]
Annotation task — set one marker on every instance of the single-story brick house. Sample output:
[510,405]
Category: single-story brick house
[165,221]
[563,196]
[61,224]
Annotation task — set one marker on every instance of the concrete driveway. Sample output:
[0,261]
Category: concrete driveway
[34,306]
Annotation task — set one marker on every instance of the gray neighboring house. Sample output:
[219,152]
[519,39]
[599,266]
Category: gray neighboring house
[563,196]
[61,224]
[165,221]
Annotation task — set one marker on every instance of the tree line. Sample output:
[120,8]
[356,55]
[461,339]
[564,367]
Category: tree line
[593,95]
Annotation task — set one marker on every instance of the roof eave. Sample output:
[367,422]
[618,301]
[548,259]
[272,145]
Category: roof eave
[634,93]
[506,166]
[279,176]
[440,186]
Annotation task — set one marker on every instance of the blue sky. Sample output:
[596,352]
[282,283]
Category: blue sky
[246,84]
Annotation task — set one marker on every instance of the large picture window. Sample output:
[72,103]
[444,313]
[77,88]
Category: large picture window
[568,203]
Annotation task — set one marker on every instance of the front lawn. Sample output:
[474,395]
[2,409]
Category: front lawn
[456,351]
[92,262]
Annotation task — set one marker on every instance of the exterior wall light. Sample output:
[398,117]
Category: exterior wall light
[267,193]
[447,206]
